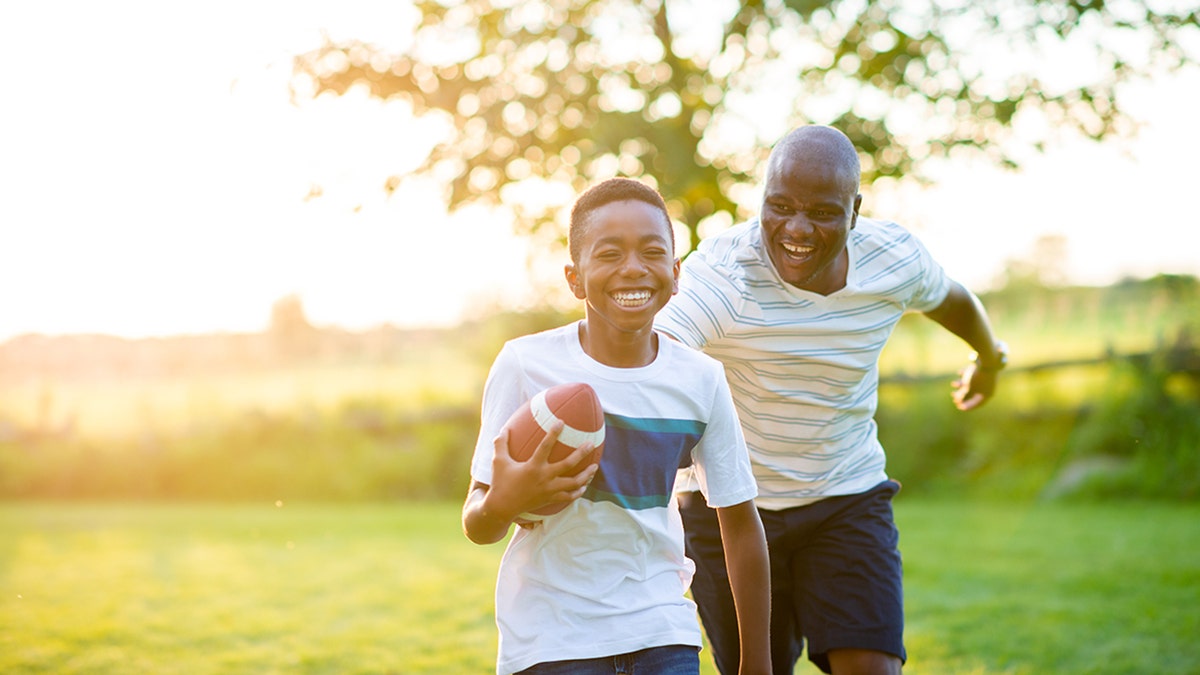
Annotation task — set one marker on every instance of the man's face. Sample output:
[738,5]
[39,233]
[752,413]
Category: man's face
[627,270]
[809,208]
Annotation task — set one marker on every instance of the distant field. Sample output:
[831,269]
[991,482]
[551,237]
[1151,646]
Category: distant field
[106,408]
[285,588]
[1040,325]
[1043,325]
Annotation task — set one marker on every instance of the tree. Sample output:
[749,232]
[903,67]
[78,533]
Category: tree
[291,334]
[1043,267]
[690,96]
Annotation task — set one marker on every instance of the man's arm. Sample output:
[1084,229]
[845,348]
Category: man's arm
[750,580]
[962,314]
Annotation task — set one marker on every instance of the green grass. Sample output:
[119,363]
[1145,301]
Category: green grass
[217,589]
[91,588]
[1109,588]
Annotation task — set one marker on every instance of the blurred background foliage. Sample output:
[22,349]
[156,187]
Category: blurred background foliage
[540,99]
[689,95]
[1101,401]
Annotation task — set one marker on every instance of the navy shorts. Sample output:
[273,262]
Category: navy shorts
[835,578]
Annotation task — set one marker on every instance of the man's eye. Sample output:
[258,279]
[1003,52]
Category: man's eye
[782,208]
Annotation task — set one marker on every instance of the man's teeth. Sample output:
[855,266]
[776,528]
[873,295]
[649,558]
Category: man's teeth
[631,298]
[798,250]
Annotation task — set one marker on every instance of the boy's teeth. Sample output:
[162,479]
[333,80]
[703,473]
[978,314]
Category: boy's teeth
[799,250]
[632,299]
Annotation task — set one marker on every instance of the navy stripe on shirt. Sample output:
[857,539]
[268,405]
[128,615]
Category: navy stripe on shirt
[637,470]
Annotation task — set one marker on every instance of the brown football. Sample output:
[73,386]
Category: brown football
[577,405]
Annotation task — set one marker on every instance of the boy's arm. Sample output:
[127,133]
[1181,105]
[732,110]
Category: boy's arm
[519,487]
[750,580]
[962,314]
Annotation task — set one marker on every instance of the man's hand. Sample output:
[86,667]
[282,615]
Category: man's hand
[974,386]
[962,314]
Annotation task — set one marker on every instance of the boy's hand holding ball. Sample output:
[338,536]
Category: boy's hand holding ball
[547,453]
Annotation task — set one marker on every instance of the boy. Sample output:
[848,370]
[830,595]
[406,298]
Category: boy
[599,587]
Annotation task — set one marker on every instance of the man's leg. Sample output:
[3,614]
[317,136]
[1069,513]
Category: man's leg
[710,588]
[863,662]
[710,585]
[853,608]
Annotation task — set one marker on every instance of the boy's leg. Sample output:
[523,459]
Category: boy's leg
[666,660]
[853,597]
[669,660]
[598,666]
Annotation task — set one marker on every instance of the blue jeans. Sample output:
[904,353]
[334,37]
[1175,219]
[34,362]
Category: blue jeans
[672,660]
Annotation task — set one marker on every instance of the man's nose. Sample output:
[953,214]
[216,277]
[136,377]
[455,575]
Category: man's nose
[798,224]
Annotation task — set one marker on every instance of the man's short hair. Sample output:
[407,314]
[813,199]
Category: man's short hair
[607,192]
[822,144]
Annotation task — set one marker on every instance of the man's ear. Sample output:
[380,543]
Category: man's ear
[675,277]
[857,206]
[573,281]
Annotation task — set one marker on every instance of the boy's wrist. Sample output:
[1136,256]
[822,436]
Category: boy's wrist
[494,513]
[488,510]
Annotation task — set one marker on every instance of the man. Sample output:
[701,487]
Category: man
[798,306]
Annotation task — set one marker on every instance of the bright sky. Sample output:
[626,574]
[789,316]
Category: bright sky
[153,180]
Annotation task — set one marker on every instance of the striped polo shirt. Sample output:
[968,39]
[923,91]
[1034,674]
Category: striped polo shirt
[803,367]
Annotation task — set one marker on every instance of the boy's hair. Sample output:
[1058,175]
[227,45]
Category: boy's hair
[607,192]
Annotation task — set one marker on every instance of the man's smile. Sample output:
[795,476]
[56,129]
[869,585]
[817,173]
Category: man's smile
[796,250]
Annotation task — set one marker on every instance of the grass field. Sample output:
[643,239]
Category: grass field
[282,588]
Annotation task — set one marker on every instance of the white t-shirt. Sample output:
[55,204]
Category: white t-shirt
[607,575]
[803,367]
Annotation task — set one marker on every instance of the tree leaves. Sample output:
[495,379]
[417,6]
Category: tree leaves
[570,92]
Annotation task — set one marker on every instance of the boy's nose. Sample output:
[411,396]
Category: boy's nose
[633,267]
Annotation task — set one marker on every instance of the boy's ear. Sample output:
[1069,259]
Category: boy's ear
[675,277]
[574,281]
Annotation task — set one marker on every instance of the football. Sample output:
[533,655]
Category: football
[577,405]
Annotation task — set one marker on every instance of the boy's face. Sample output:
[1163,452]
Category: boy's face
[627,270]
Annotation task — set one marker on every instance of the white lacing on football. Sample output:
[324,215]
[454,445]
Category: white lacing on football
[570,435]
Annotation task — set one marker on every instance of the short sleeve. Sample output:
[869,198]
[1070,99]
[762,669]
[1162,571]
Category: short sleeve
[722,462]
[502,395]
[696,314]
[934,284]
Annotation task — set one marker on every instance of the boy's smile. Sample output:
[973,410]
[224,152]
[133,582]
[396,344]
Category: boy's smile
[631,298]
[626,272]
